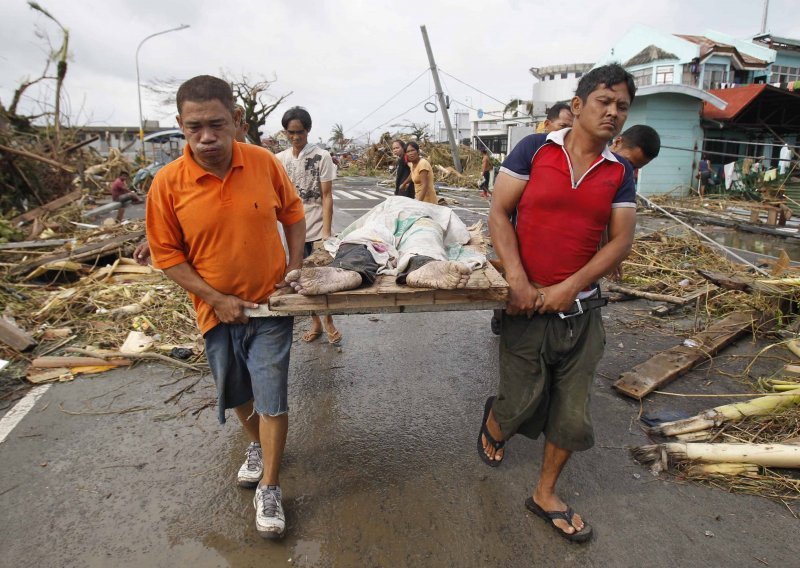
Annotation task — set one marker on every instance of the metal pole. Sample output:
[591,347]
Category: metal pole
[445,114]
[764,17]
[139,85]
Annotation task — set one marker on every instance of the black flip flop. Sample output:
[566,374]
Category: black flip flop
[485,431]
[578,536]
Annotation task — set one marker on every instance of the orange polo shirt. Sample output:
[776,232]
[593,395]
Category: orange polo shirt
[226,229]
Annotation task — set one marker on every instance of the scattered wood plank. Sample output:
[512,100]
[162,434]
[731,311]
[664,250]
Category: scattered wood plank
[52,361]
[15,337]
[44,243]
[80,254]
[666,309]
[668,365]
[50,206]
[792,369]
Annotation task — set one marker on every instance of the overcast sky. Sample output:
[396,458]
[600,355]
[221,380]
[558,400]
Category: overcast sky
[340,59]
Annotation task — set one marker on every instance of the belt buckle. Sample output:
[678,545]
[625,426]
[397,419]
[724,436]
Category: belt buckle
[564,316]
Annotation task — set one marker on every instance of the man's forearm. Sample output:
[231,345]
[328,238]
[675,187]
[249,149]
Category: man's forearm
[295,239]
[327,208]
[187,278]
[504,241]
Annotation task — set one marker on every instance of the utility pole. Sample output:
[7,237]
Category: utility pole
[764,17]
[445,113]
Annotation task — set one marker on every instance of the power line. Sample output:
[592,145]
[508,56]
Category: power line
[472,87]
[415,105]
[389,100]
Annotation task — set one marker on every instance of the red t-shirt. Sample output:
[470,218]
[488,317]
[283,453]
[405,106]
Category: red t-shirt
[118,189]
[560,223]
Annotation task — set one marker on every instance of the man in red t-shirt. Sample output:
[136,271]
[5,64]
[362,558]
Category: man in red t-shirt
[566,187]
[121,193]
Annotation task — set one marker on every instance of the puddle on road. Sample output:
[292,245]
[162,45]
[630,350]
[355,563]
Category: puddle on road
[753,242]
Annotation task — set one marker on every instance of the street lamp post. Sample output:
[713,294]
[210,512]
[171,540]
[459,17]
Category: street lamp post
[139,85]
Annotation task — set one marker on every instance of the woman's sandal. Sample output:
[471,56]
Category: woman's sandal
[311,335]
[491,462]
[334,338]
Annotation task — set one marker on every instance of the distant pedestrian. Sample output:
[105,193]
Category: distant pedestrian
[402,179]
[785,159]
[486,167]
[639,144]
[312,171]
[421,174]
[121,193]
[703,174]
[212,219]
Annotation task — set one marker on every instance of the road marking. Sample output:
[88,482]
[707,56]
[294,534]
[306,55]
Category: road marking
[365,195]
[340,194]
[13,416]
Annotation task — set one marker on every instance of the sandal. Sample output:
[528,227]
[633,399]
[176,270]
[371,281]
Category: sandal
[491,462]
[578,536]
[312,335]
[334,338]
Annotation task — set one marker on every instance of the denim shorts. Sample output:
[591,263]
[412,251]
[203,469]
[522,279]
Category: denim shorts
[251,362]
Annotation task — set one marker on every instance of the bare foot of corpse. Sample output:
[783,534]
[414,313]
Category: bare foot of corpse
[322,280]
[443,274]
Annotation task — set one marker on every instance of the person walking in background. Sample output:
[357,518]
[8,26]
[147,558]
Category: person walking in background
[402,181]
[486,167]
[421,174]
[312,171]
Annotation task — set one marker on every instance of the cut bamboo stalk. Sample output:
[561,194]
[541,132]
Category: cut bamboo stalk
[728,413]
[765,455]
[703,469]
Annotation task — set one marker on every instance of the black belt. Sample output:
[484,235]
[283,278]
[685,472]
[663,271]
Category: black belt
[582,306]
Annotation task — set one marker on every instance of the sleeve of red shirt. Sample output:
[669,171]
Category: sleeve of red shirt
[626,193]
[519,161]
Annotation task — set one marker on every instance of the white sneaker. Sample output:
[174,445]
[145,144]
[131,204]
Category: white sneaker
[270,521]
[253,467]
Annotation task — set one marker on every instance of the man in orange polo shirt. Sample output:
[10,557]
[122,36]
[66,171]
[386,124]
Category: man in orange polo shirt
[212,226]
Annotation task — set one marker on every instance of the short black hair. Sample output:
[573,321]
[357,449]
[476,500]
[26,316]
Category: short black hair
[205,88]
[555,111]
[413,144]
[643,137]
[484,150]
[605,76]
[296,113]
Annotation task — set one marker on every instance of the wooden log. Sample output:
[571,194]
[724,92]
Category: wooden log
[14,337]
[668,365]
[37,157]
[69,361]
[90,251]
[50,206]
[646,295]
[33,244]
[107,208]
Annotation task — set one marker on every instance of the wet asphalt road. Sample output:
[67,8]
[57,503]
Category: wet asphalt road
[380,468]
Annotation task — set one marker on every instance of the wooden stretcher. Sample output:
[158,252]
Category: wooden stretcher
[485,290]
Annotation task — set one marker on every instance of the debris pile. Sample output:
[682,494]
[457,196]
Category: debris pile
[379,158]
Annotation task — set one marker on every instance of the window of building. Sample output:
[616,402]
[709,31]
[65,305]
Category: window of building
[578,75]
[563,75]
[664,74]
[784,74]
[552,76]
[714,74]
[643,77]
